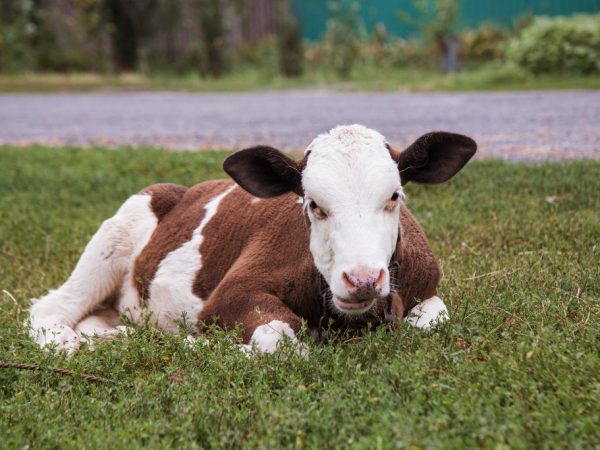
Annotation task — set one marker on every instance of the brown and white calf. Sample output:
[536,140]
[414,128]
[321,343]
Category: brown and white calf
[261,251]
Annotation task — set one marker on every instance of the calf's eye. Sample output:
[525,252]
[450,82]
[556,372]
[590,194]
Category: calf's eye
[316,209]
[391,204]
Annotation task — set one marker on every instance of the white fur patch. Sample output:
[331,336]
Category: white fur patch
[61,337]
[171,295]
[351,176]
[428,314]
[100,323]
[129,299]
[266,337]
[99,271]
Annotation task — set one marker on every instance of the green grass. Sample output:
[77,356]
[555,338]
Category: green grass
[493,76]
[518,365]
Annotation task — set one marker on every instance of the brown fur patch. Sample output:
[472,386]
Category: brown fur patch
[419,274]
[175,228]
[256,262]
[164,197]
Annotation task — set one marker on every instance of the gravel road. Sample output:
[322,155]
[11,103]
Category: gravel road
[530,126]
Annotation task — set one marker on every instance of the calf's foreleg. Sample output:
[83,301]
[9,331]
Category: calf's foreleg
[265,320]
[428,313]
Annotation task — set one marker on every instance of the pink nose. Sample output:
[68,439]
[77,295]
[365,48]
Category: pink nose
[364,281]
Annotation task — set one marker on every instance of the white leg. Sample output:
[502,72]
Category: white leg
[98,273]
[267,337]
[98,323]
[101,325]
[428,314]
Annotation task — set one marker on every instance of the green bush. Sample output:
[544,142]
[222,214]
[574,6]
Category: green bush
[381,50]
[403,53]
[484,43]
[262,56]
[559,44]
[291,53]
[437,22]
[315,55]
[16,32]
[214,36]
[343,36]
[15,53]
[374,52]
[56,55]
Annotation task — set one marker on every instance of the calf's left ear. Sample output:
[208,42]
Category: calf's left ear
[434,157]
[264,172]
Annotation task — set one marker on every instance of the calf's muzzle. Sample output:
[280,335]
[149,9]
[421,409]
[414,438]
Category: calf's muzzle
[364,283]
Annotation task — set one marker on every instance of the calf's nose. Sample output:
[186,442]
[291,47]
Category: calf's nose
[364,281]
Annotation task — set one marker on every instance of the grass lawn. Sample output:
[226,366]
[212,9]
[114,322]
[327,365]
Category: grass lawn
[518,366]
[492,76]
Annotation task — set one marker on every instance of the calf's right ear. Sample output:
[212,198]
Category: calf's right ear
[434,157]
[264,172]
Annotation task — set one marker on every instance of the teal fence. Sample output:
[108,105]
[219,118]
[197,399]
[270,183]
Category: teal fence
[313,14]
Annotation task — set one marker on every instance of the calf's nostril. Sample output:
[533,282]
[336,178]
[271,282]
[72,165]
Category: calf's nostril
[364,280]
[348,282]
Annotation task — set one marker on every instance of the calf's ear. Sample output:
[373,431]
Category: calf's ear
[434,157]
[264,172]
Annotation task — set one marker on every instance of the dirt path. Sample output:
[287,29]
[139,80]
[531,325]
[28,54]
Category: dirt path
[527,126]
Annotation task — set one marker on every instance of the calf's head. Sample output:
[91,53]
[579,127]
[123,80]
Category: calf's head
[351,181]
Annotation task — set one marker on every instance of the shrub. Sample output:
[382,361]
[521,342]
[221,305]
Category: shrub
[343,36]
[61,44]
[437,21]
[315,54]
[289,42]
[559,44]
[16,34]
[403,53]
[378,44]
[265,57]
[485,43]
[213,36]
[14,51]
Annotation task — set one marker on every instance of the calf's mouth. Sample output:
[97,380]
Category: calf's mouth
[353,307]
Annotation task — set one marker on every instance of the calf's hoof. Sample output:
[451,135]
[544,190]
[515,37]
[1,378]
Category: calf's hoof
[428,314]
[58,337]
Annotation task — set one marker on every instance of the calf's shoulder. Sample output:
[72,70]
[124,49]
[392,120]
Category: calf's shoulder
[419,273]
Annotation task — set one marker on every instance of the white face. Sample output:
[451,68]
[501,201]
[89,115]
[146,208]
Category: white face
[352,196]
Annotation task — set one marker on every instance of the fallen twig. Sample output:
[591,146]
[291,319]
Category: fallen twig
[60,371]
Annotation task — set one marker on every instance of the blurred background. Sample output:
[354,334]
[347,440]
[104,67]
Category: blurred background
[245,44]
[99,98]
[303,66]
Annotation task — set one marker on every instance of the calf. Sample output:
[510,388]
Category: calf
[283,246]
